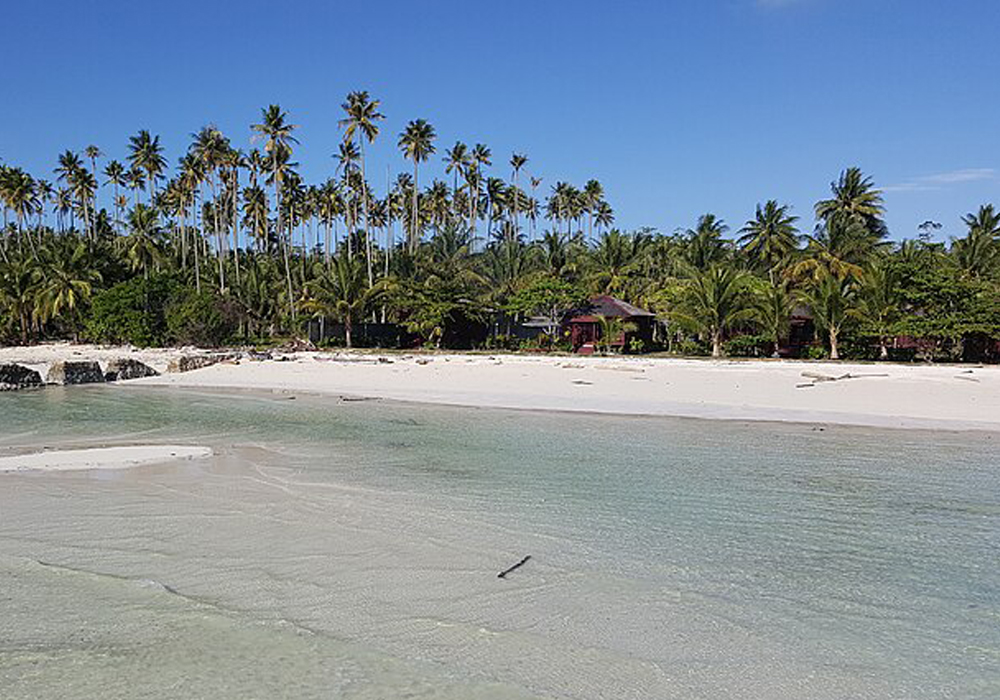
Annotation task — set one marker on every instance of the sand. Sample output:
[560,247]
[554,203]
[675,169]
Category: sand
[958,397]
[900,396]
[100,458]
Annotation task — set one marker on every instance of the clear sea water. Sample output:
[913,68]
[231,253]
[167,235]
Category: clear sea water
[350,549]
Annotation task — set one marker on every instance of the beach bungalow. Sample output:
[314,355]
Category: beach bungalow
[584,324]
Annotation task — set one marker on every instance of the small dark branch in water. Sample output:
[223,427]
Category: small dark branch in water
[518,565]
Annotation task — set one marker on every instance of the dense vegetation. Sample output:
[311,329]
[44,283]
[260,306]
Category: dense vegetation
[204,256]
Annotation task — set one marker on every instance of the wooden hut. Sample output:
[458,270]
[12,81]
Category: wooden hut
[584,324]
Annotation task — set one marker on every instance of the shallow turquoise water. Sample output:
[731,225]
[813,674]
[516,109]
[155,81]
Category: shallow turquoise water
[350,550]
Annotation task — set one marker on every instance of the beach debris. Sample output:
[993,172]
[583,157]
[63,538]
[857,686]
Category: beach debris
[75,373]
[124,368]
[14,377]
[424,361]
[258,356]
[582,382]
[518,565]
[819,378]
[966,377]
[350,399]
[297,345]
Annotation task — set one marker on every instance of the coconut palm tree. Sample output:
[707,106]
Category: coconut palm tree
[277,134]
[146,154]
[66,283]
[339,291]
[713,301]
[143,246]
[417,144]
[456,161]
[18,283]
[856,205]
[211,148]
[705,245]
[93,153]
[877,300]
[362,121]
[770,237]
[517,162]
[593,195]
[831,301]
[979,252]
[114,171]
[773,304]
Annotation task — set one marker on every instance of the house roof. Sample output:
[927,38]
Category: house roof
[608,307]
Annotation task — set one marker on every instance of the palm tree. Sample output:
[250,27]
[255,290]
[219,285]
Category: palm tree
[856,205]
[362,121]
[593,195]
[93,153]
[831,300]
[713,301]
[517,162]
[69,166]
[277,133]
[770,237]
[18,283]
[456,161]
[979,252]
[211,148]
[20,194]
[481,156]
[66,284]
[773,304]
[877,299]
[705,245]
[339,291]
[146,154]
[114,171]
[417,144]
[143,246]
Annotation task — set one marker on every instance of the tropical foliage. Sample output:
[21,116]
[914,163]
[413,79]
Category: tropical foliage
[235,246]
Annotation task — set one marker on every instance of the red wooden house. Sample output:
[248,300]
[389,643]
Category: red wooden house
[584,324]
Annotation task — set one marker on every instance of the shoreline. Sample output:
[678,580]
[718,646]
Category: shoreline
[875,395]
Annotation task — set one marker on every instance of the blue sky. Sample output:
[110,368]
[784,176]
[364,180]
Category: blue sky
[677,107]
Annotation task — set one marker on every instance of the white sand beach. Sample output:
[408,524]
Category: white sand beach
[873,394]
[123,457]
[900,396]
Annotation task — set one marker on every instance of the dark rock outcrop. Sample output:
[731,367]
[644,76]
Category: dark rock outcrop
[187,363]
[124,368]
[14,377]
[75,373]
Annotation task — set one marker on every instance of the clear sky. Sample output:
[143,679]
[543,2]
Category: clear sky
[679,107]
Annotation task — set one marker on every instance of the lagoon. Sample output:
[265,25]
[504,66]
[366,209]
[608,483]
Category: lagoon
[350,549]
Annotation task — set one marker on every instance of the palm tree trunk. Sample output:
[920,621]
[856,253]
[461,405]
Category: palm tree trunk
[364,193]
[414,215]
[834,354]
[716,344]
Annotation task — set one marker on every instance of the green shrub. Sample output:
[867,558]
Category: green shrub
[816,352]
[747,346]
[200,319]
[689,347]
[132,312]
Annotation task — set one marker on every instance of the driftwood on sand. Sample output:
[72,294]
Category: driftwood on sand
[819,378]
[518,565]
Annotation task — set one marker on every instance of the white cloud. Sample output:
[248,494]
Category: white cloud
[939,181]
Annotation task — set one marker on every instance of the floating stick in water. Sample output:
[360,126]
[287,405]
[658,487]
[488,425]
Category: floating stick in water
[518,565]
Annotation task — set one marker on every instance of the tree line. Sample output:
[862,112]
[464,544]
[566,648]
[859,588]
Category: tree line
[235,247]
